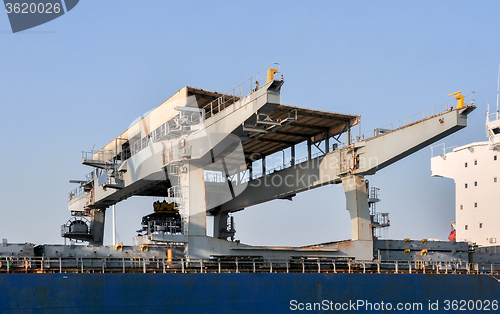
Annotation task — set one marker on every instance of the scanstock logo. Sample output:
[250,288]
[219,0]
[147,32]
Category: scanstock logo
[31,13]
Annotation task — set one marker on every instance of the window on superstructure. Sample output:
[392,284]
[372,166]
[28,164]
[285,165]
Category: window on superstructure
[480,225]
[495,179]
[466,227]
[461,207]
[475,204]
[475,162]
[465,165]
[495,157]
[466,185]
[475,183]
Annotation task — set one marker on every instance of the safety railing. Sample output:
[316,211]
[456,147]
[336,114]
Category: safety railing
[220,178]
[75,193]
[405,121]
[315,155]
[164,132]
[106,155]
[375,193]
[88,177]
[93,174]
[236,265]
[280,167]
[214,177]
[493,116]
[250,85]
[441,150]
[381,219]
[288,164]
[247,87]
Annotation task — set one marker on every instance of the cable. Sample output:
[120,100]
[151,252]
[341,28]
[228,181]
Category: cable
[498,280]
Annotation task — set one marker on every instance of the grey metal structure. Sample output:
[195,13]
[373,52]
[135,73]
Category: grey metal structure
[198,150]
[422,251]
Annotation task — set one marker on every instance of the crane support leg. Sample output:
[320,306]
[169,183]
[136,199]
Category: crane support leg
[356,192]
[222,221]
[193,179]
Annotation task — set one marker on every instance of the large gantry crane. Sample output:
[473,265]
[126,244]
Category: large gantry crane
[198,151]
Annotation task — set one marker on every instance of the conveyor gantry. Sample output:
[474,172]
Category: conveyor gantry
[198,149]
[146,159]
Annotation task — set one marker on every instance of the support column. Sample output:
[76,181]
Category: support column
[264,166]
[327,142]
[97,226]
[309,143]
[356,193]
[250,169]
[292,153]
[192,180]
[114,225]
[221,222]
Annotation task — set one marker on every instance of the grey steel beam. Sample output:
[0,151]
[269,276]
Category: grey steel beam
[373,154]
[308,126]
[276,141]
[369,156]
[290,133]
[140,172]
[280,184]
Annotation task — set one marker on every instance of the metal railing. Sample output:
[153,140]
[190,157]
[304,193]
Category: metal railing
[164,132]
[106,155]
[88,177]
[375,193]
[304,159]
[235,265]
[406,121]
[288,164]
[250,85]
[392,126]
[75,193]
[441,150]
[493,116]
[93,174]
[214,177]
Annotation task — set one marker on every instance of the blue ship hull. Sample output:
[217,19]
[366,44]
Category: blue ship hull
[240,293]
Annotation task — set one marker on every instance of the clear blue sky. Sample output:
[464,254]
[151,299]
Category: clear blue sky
[80,80]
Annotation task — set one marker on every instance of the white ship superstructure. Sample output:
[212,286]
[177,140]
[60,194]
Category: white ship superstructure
[476,170]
